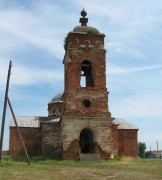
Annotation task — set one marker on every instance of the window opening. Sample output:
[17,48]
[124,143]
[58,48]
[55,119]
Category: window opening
[86,74]
[83,81]
[87,103]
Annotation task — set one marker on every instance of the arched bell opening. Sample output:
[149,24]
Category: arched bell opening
[86,74]
[87,143]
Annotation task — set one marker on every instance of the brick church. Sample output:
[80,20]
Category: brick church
[79,123]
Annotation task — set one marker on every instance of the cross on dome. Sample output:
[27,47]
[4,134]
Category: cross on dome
[83,20]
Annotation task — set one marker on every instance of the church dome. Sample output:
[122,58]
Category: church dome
[84,28]
[57,98]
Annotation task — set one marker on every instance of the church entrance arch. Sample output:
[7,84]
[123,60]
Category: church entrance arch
[87,143]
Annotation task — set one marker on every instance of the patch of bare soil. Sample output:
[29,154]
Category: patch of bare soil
[104,174]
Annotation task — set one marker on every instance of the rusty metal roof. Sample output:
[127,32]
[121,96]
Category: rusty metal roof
[27,121]
[123,124]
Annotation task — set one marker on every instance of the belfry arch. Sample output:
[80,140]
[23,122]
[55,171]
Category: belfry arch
[86,74]
[87,141]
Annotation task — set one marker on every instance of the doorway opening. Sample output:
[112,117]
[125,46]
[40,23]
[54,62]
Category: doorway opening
[87,143]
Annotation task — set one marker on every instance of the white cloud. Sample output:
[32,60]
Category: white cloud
[3,70]
[24,75]
[141,106]
[29,76]
[134,15]
[130,26]
[21,26]
[112,69]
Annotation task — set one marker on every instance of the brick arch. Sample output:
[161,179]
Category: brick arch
[87,43]
[86,60]
[87,140]
[98,44]
[94,131]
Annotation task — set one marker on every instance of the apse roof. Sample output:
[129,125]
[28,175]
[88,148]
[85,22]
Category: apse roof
[123,124]
[57,98]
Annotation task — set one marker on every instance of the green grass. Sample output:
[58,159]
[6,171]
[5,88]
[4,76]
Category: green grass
[120,168]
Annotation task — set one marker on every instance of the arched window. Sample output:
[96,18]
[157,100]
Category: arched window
[86,74]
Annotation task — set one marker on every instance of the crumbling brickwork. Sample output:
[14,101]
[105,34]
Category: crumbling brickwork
[54,110]
[77,52]
[51,142]
[86,106]
[115,135]
[72,127]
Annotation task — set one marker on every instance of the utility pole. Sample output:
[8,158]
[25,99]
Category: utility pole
[157,145]
[150,152]
[4,109]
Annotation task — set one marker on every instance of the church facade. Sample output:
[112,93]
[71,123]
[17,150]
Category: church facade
[79,123]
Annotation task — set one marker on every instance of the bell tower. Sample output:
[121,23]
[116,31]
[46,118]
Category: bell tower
[85,78]
[85,100]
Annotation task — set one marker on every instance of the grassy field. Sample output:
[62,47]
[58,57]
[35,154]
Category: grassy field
[125,168]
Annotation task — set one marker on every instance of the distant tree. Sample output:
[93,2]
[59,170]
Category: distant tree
[141,149]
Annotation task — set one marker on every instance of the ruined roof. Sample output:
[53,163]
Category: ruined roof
[57,98]
[123,124]
[27,121]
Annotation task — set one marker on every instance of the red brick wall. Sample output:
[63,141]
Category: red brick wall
[54,110]
[78,50]
[127,142]
[51,142]
[114,134]
[73,104]
[80,47]
[31,137]
[72,152]
[76,56]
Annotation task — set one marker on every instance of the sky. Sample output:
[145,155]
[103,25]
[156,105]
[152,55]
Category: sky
[32,36]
